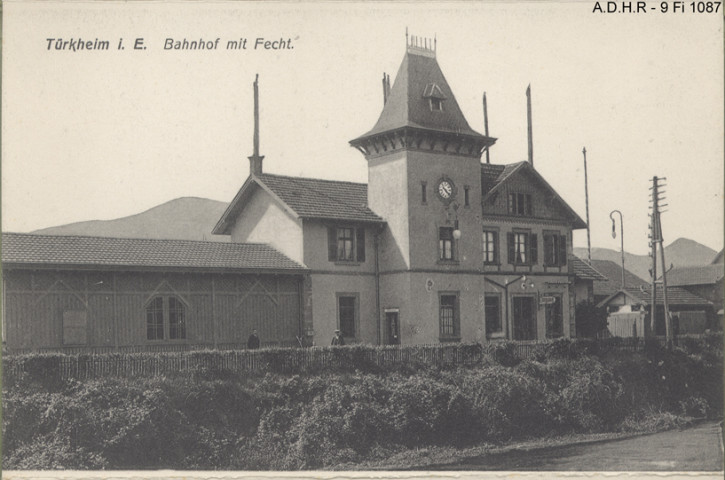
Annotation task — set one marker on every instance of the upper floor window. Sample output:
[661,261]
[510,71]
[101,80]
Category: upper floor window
[165,318]
[490,247]
[423,192]
[467,196]
[554,249]
[520,204]
[522,248]
[446,244]
[449,316]
[346,244]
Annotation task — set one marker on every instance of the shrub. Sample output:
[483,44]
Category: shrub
[505,353]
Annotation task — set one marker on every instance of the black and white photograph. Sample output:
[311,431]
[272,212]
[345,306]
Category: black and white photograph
[258,239]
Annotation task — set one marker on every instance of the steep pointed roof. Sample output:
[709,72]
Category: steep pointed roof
[419,79]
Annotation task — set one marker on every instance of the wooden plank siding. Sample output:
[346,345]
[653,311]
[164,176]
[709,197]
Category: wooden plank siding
[218,308]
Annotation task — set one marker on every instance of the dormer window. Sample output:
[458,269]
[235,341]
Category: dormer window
[435,97]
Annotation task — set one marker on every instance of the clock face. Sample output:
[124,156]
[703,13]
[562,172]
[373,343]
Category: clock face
[445,189]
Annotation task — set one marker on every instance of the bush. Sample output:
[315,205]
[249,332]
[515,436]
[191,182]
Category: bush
[505,353]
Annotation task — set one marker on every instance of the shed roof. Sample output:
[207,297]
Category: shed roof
[613,282]
[581,269]
[702,275]
[676,296]
[22,250]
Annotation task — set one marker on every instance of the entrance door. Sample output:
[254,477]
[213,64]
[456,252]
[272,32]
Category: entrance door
[392,327]
[524,318]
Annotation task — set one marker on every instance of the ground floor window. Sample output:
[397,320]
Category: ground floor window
[554,317]
[165,318]
[449,316]
[347,306]
[493,314]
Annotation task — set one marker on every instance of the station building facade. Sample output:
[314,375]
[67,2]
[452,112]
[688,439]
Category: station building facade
[436,247]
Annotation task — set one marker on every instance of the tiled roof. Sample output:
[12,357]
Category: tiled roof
[703,275]
[581,269]
[613,273]
[493,175]
[44,250]
[675,296]
[407,106]
[314,198]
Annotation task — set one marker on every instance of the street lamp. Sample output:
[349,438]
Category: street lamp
[621,236]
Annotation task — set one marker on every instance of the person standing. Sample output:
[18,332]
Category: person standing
[337,339]
[253,341]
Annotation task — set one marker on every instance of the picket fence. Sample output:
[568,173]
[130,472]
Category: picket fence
[240,361]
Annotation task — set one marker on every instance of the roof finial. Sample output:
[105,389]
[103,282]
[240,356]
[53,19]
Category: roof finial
[406,37]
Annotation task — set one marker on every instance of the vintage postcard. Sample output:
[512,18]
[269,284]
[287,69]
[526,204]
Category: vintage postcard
[293,237]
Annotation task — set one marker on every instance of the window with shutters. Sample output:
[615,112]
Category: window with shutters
[554,249]
[165,318]
[490,247]
[449,316]
[522,248]
[346,244]
[520,204]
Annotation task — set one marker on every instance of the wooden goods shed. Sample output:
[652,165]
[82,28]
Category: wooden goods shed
[94,294]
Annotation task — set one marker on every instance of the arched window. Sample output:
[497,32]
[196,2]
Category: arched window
[165,318]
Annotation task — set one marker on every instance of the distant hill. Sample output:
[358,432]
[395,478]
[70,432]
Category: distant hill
[186,218]
[683,252]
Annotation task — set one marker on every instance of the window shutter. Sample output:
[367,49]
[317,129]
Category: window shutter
[528,204]
[512,203]
[562,250]
[510,247]
[548,257]
[534,248]
[360,244]
[331,244]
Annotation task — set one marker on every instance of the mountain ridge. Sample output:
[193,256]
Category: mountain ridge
[193,218]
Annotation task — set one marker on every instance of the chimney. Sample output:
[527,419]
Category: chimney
[386,88]
[528,115]
[485,125]
[255,161]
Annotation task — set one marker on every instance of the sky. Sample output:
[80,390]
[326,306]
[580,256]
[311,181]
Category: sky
[102,134]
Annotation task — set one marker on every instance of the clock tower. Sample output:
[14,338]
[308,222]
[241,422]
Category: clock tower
[424,179]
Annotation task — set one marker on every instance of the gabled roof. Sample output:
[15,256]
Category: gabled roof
[702,275]
[676,296]
[29,250]
[305,198]
[613,273]
[581,269]
[493,177]
[419,78]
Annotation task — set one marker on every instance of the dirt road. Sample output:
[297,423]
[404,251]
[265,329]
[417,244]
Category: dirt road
[698,448]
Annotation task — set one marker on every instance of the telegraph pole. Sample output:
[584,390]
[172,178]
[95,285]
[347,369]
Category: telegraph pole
[656,237]
[586,200]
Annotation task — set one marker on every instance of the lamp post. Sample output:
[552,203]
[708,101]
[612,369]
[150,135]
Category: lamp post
[621,236]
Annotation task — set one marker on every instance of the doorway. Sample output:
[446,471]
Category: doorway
[524,318]
[392,327]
